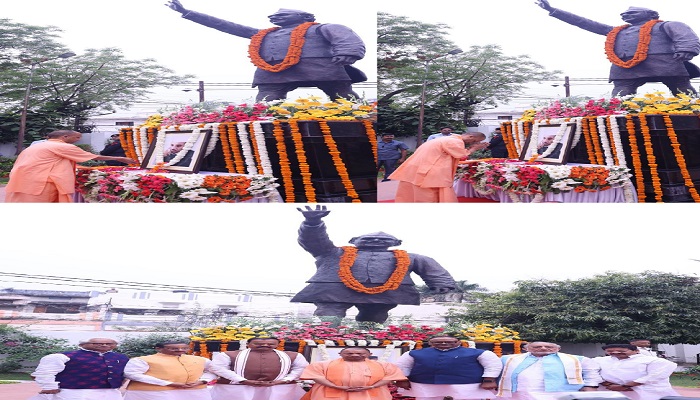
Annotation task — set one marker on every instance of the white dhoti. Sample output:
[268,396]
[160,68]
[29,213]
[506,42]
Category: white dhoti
[246,392]
[81,394]
[425,391]
[184,394]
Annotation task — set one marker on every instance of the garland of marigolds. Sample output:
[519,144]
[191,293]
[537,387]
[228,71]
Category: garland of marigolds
[651,158]
[372,135]
[636,158]
[642,47]
[235,148]
[285,166]
[345,273]
[680,158]
[293,52]
[256,150]
[338,161]
[303,164]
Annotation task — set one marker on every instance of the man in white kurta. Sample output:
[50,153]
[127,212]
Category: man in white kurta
[451,369]
[170,374]
[637,376]
[544,373]
[92,372]
[259,372]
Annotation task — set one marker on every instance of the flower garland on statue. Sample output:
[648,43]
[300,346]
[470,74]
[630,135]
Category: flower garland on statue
[338,161]
[345,273]
[245,146]
[642,47]
[680,158]
[293,52]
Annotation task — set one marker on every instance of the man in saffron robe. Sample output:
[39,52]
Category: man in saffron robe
[352,377]
[92,372]
[448,369]
[324,61]
[259,372]
[427,176]
[45,172]
[544,373]
[170,374]
[671,46]
[367,275]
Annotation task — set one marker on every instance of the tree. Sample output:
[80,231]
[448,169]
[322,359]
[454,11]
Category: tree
[137,346]
[18,346]
[456,86]
[610,308]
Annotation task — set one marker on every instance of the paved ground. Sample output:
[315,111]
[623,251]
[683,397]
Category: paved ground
[386,191]
[23,391]
[2,193]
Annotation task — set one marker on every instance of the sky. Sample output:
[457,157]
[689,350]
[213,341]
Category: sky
[522,27]
[254,246]
[149,29]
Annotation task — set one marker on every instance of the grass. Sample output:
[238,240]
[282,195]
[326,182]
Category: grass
[8,377]
[684,380]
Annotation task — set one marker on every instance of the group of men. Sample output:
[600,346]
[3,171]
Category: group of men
[443,369]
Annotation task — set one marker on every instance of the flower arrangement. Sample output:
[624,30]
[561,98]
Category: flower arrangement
[198,114]
[575,107]
[131,185]
[659,103]
[489,333]
[312,108]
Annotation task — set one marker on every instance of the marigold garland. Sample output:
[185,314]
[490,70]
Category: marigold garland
[303,164]
[372,135]
[508,139]
[280,346]
[680,158]
[611,138]
[293,52]
[347,259]
[636,158]
[595,139]
[224,345]
[651,159]
[256,150]
[230,166]
[285,166]
[239,160]
[642,47]
[338,162]
[131,150]
[497,349]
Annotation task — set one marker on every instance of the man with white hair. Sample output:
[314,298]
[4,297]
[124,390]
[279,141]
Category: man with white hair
[92,372]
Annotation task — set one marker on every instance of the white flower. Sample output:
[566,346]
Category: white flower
[195,195]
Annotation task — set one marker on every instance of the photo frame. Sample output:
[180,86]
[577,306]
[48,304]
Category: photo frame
[553,141]
[188,151]
[314,354]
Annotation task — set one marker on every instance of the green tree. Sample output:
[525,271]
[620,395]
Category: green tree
[456,86]
[18,346]
[137,346]
[607,308]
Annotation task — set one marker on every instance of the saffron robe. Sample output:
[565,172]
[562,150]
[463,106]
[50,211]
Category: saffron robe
[150,376]
[360,373]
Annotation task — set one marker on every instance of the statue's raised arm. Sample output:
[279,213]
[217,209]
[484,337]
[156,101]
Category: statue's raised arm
[544,4]
[313,216]
[177,6]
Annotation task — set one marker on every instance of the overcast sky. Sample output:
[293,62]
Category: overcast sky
[253,246]
[149,29]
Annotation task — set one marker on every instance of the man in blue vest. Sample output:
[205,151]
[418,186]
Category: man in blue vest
[93,371]
[543,373]
[446,368]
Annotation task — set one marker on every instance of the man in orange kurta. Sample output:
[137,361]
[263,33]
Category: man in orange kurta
[427,175]
[45,172]
[352,377]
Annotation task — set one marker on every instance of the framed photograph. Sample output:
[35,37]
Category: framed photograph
[314,354]
[550,143]
[181,151]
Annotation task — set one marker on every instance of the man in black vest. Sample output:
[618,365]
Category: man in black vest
[671,45]
[319,56]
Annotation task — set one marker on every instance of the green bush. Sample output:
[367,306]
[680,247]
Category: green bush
[6,164]
[137,346]
[90,163]
[19,346]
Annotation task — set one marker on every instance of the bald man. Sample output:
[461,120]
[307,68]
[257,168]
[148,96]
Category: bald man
[94,371]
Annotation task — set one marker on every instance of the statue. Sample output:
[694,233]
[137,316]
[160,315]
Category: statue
[297,53]
[367,275]
[663,56]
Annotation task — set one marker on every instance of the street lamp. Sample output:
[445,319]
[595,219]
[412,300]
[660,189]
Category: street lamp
[23,116]
[421,114]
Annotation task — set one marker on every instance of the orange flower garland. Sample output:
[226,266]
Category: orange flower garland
[646,135]
[636,159]
[508,139]
[516,136]
[235,148]
[338,161]
[224,346]
[130,149]
[280,346]
[285,166]
[680,158]
[497,348]
[303,164]
[345,273]
[517,346]
[595,139]
[642,47]
[256,150]
[293,52]
[302,344]
[611,140]
[372,135]
[203,350]
[230,167]
[419,345]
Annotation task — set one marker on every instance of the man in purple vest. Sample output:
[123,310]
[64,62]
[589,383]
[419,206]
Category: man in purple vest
[93,371]
[664,56]
[446,368]
[298,53]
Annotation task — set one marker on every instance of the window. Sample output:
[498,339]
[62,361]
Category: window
[141,295]
[504,117]
[124,123]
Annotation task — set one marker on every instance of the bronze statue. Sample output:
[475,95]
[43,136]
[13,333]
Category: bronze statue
[297,53]
[367,275]
[667,47]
